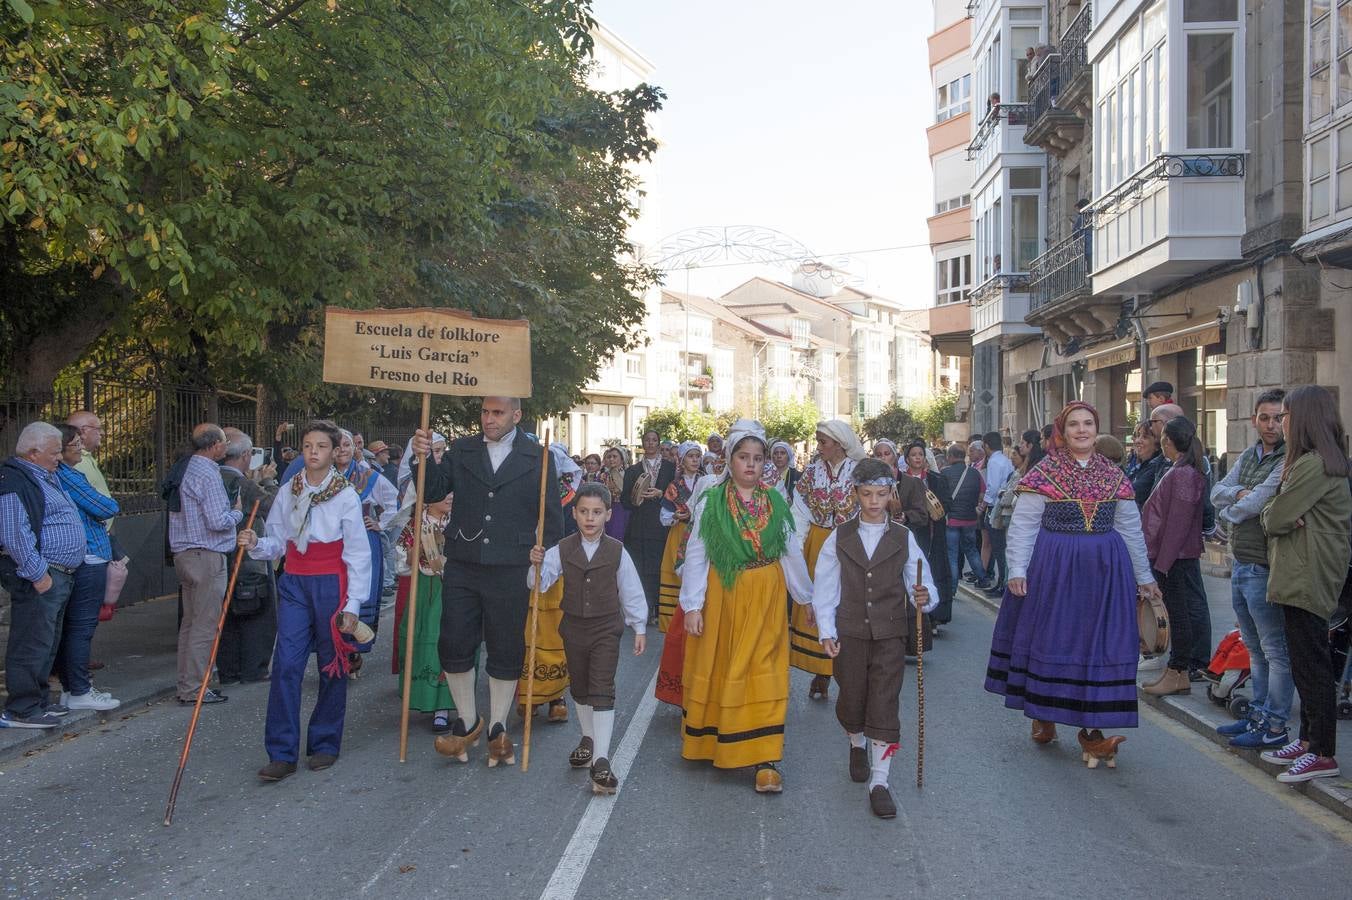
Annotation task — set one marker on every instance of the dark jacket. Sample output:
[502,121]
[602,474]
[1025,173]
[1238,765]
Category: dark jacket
[645,519]
[494,515]
[1147,474]
[961,504]
[15,479]
[1172,517]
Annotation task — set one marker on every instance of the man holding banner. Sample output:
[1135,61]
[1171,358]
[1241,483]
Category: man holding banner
[495,478]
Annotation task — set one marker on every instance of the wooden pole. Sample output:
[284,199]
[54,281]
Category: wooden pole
[535,609]
[206,676]
[920,679]
[415,559]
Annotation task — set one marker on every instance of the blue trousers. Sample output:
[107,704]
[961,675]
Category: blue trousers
[1263,627]
[962,542]
[77,629]
[305,605]
[34,632]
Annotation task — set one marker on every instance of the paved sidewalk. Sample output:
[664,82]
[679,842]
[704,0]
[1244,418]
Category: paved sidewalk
[1202,715]
[139,651]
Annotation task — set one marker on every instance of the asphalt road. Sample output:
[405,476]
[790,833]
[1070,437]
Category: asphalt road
[998,816]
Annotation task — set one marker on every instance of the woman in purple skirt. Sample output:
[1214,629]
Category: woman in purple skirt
[1065,645]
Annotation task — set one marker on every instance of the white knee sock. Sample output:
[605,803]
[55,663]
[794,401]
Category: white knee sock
[856,740]
[605,726]
[462,692]
[880,764]
[500,694]
[584,718]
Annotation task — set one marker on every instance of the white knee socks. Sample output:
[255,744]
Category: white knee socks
[500,694]
[879,762]
[584,719]
[856,740]
[462,692]
[604,720]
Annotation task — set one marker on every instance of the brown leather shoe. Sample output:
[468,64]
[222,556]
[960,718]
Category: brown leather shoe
[457,743]
[603,780]
[1173,681]
[500,749]
[1043,732]
[881,802]
[768,779]
[819,687]
[558,712]
[859,767]
[581,757]
[318,762]
[277,770]
[1095,747]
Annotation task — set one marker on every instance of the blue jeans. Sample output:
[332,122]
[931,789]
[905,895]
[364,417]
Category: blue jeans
[962,540]
[77,631]
[1263,628]
[34,630]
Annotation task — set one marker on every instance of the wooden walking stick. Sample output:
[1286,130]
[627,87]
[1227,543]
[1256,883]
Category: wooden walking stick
[920,679]
[206,676]
[411,612]
[535,610]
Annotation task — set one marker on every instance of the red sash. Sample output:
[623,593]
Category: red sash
[326,559]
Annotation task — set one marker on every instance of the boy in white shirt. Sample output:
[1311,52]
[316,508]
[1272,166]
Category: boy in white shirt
[316,521]
[601,594]
[864,623]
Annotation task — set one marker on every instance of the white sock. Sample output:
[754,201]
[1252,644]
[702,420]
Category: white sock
[856,740]
[605,726]
[584,718]
[879,764]
[500,693]
[462,692]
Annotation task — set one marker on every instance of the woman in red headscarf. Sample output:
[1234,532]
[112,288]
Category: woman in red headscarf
[1066,645]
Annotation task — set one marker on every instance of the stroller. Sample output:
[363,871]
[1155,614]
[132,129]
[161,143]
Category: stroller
[1229,671]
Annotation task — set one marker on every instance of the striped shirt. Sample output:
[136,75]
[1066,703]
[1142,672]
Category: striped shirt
[63,540]
[205,520]
[94,508]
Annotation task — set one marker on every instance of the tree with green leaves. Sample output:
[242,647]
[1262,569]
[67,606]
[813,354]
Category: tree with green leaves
[675,424]
[793,420]
[933,413]
[186,184]
[895,422]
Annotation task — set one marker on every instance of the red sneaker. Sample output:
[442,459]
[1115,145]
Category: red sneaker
[1310,766]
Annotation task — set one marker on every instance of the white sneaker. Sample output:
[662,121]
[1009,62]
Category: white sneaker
[95,699]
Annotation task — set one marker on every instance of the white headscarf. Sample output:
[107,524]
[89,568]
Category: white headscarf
[683,449]
[740,431]
[405,470]
[793,457]
[841,433]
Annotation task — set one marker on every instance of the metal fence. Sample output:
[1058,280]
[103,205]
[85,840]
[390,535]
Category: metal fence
[145,428]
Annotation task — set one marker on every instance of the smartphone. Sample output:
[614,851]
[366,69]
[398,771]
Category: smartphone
[258,459]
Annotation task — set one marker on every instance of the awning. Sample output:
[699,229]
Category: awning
[1189,337]
[1114,355]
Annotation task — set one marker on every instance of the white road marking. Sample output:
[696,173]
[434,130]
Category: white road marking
[572,867]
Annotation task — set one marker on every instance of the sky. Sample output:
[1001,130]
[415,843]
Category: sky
[797,115]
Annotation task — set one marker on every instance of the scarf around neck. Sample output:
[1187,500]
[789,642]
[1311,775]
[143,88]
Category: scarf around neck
[737,533]
[304,501]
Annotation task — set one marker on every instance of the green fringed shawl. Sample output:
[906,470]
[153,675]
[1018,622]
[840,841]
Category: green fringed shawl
[727,537]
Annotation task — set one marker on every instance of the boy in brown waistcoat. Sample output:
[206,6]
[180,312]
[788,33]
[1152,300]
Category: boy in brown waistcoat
[864,623]
[601,594]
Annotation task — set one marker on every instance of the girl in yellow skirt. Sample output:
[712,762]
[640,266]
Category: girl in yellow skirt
[551,665]
[823,498]
[741,558]
[676,517]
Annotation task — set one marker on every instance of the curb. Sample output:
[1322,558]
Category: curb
[78,723]
[1334,794]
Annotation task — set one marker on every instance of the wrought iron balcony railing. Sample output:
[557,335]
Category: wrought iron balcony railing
[988,290]
[1013,113]
[1063,271]
[1044,88]
[1171,165]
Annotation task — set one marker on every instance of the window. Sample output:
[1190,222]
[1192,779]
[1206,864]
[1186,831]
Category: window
[1319,177]
[1328,104]
[1021,40]
[1210,10]
[952,203]
[1344,186]
[953,279]
[1025,178]
[633,365]
[798,330]
[1024,222]
[953,99]
[1210,89]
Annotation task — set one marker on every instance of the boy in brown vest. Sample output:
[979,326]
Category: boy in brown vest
[863,622]
[601,594]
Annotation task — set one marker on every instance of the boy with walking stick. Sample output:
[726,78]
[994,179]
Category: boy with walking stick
[602,592]
[859,599]
[316,521]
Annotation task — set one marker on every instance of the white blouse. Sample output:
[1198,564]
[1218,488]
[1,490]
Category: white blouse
[826,587]
[338,519]
[1026,523]
[695,569]
[632,599]
[696,483]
